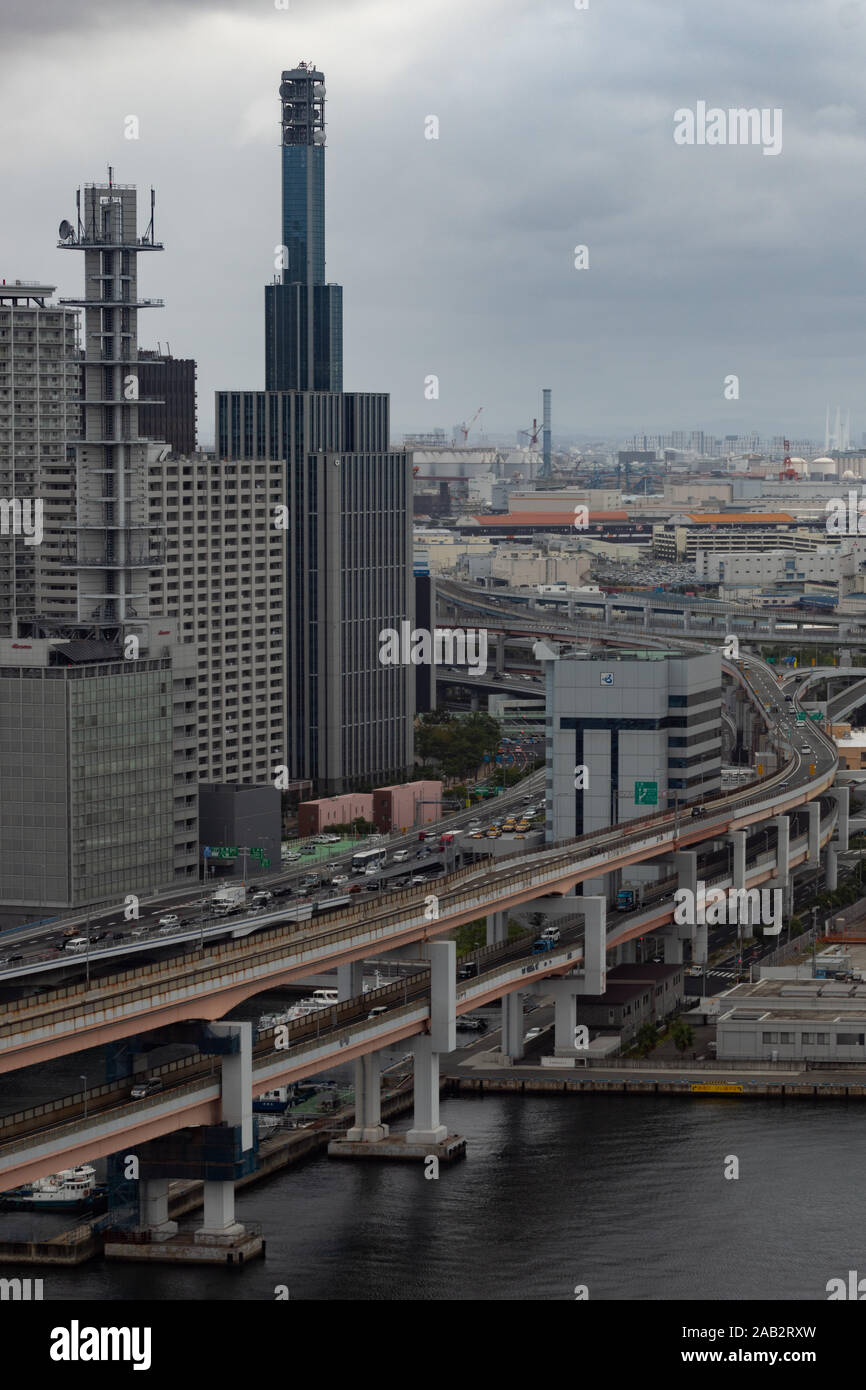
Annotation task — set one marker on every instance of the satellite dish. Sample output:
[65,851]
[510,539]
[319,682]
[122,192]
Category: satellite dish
[65,230]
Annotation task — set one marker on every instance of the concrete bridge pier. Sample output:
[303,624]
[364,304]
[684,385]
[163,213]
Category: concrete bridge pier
[219,1214]
[592,980]
[813,810]
[153,1208]
[368,1126]
[738,870]
[832,869]
[672,945]
[783,861]
[426,1128]
[236,1069]
[497,928]
[841,795]
[686,866]
[511,1044]
[350,980]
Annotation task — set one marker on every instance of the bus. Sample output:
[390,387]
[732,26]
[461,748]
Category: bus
[368,859]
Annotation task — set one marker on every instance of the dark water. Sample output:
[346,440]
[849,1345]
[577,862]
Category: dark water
[624,1195]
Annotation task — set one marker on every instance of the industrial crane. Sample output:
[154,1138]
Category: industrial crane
[464,429]
[531,435]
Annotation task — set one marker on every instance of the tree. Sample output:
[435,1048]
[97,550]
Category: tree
[457,746]
[646,1039]
[682,1035]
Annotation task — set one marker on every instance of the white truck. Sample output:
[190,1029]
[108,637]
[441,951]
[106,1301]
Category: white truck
[233,895]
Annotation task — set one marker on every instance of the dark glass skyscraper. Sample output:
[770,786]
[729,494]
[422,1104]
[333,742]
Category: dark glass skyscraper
[303,315]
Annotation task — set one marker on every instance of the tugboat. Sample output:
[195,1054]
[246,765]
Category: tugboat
[73,1189]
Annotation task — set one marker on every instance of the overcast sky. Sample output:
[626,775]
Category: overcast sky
[556,129]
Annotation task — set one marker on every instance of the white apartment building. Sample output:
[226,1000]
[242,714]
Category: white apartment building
[224,580]
[40,377]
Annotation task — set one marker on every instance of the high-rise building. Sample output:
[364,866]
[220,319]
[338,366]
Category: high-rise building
[40,386]
[167,400]
[303,315]
[349,559]
[224,584]
[98,719]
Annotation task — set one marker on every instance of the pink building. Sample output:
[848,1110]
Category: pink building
[316,816]
[402,807]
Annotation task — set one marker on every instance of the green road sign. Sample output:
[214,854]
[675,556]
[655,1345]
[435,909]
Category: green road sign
[266,863]
[646,793]
[816,714]
[801,718]
[257,852]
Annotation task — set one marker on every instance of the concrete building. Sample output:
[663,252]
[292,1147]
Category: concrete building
[680,538]
[167,393]
[839,565]
[522,568]
[645,726]
[40,386]
[781,1020]
[243,818]
[224,583]
[315,816]
[116,686]
[402,807]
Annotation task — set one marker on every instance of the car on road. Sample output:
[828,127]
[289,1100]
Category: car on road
[400,856]
[419,878]
[467,1023]
[533,1033]
[291,858]
[356,888]
[340,878]
[309,849]
[150,1087]
[379,1009]
[371,887]
[423,854]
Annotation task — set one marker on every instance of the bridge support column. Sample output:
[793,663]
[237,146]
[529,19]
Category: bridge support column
[564,1019]
[738,868]
[813,809]
[350,980]
[153,1208]
[512,1026]
[426,1128]
[832,870]
[686,866]
[627,952]
[442,1037]
[783,861]
[595,946]
[841,795]
[497,928]
[672,944]
[368,1125]
[237,1079]
[219,1212]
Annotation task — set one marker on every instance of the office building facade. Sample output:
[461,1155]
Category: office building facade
[645,728]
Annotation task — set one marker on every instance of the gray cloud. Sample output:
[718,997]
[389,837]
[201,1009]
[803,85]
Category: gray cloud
[556,128]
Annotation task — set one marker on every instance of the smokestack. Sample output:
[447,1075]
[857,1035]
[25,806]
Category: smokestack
[546,461]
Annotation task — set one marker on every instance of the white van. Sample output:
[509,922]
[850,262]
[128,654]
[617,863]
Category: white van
[76,943]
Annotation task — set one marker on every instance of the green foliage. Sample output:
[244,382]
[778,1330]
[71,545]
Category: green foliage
[456,746]
[646,1039]
[471,936]
[682,1035]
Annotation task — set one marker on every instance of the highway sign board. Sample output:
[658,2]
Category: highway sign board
[646,793]
[801,718]
[816,714]
[220,851]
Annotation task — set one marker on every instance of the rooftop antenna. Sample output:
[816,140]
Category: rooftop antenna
[110,177]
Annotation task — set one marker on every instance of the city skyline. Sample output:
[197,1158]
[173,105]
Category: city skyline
[696,255]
